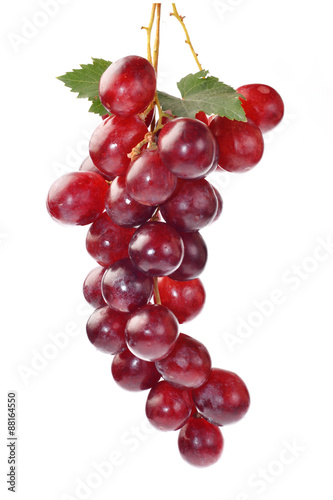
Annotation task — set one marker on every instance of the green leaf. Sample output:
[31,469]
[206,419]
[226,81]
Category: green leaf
[202,93]
[85,82]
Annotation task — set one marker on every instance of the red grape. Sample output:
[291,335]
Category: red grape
[192,206]
[124,288]
[219,204]
[200,443]
[148,181]
[151,332]
[156,249]
[128,86]
[262,104]
[195,257]
[113,140]
[106,242]
[92,290]
[167,407]
[241,144]
[188,148]
[223,399]
[185,299]
[188,365]
[132,373]
[77,198]
[106,329]
[122,208]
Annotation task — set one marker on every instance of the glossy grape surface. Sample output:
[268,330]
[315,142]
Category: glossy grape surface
[188,365]
[168,407]
[188,148]
[122,208]
[113,140]
[195,257]
[77,198]
[156,249]
[151,332]
[192,206]
[128,86]
[223,399]
[241,144]
[106,329]
[106,242]
[185,299]
[132,373]
[200,443]
[262,104]
[148,181]
[124,288]
[92,290]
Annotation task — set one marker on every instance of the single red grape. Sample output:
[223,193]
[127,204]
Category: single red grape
[200,443]
[185,299]
[151,332]
[77,198]
[122,208]
[148,181]
[128,86]
[106,329]
[167,407]
[192,206]
[156,249]
[124,288]
[113,140]
[188,148]
[262,104]
[92,290]
[188,365]
[106,242]
[241,144]
[132,373]
[223,399]
[219,204]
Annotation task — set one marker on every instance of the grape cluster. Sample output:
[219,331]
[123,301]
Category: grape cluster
[146,198]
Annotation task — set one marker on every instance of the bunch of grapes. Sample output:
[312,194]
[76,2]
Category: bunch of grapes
[146,197]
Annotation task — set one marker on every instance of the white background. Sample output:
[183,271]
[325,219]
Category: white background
[269,242]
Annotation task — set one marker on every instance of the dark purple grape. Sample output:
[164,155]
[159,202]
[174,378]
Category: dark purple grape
[192,206]
[188,148]
[188,365]
[167,407]
[156,249]
[132,373]
[195,257]
[124,288]
[151,332]
[122,208]
[200,443]
[106,329]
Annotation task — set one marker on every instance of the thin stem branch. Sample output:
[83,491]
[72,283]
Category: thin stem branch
[188,41]
[156,291]
[157,36]
[149,29]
